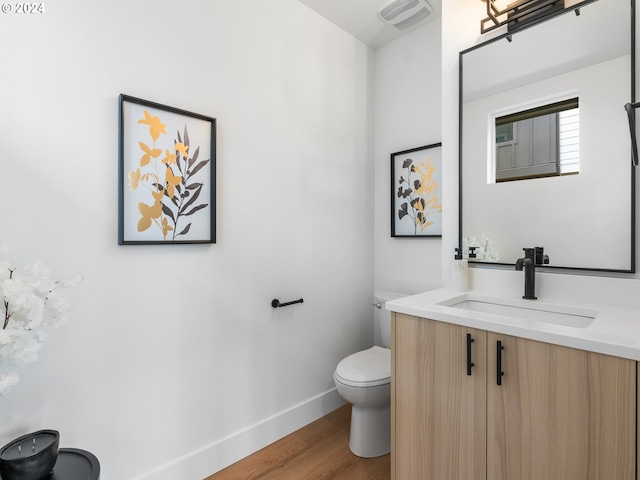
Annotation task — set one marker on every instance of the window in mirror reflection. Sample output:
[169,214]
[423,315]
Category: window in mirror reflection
[538,142]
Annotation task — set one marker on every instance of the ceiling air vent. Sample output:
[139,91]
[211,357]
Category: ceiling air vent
[404,13]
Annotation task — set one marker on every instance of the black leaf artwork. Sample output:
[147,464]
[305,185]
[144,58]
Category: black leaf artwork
[422,198]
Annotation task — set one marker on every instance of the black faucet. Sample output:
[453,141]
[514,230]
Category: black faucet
[532,257]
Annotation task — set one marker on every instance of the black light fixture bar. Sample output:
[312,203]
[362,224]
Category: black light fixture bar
[519,14]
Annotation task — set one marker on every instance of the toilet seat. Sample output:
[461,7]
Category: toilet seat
[368,368]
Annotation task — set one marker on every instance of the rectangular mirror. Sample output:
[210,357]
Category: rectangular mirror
[521,184]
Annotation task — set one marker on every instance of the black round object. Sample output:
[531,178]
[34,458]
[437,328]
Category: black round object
[31,456]
[76,464]
[72,464]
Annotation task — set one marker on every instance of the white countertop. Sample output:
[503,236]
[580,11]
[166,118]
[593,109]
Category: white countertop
[613,330]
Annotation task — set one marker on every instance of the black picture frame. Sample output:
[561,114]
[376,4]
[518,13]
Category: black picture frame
[166,174]
[416,190]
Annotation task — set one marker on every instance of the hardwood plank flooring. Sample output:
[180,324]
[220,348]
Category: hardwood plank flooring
[319,451]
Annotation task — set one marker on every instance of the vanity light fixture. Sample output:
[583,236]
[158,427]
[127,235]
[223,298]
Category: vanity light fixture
[521,13]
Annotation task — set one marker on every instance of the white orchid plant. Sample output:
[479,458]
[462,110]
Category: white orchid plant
[30,303]
[484,248]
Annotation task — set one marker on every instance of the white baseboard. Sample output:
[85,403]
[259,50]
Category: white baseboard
[222,453]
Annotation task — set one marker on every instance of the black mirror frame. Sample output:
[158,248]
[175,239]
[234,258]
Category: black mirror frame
[629,107]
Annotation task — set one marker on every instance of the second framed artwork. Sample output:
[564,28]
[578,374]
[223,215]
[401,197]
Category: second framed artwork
[167,174]
[416,192]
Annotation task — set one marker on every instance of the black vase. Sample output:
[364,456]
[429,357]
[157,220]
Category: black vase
[26,459]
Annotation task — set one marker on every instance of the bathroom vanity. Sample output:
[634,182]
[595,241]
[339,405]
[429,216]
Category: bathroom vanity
[538,390]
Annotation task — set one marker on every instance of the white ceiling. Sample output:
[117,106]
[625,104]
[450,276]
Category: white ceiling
[360,19]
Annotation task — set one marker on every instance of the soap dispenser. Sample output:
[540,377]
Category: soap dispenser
[459,272]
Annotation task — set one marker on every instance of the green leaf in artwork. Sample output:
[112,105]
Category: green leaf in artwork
[195,209]
[185,230]
[167,211]
[418,203]
[195,196]
[403,211]
[194,157]
[198,167]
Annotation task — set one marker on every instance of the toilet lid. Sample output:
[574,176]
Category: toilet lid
[367,368]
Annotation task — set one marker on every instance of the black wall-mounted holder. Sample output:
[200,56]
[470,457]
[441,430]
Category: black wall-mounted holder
[275,303]
[630,108]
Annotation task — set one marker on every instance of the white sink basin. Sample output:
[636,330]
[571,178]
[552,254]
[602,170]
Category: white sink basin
[529,310]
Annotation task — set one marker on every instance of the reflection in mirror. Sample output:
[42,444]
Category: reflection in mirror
[538,142]
[584,221]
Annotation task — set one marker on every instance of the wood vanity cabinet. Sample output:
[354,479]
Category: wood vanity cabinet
[558,414]
[438,411]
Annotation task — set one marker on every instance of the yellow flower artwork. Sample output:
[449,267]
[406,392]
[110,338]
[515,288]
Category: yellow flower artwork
[166,178]
[156,127]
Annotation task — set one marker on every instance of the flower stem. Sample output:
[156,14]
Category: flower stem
[7,312]
[7,315]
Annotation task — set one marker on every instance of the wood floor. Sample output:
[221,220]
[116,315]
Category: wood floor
[318,451]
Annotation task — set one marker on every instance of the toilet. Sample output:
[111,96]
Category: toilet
[364,380]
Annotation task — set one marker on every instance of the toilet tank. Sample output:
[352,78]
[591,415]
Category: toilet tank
[382,316]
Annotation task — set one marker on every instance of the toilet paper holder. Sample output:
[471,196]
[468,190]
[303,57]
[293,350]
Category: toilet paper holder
[275,303]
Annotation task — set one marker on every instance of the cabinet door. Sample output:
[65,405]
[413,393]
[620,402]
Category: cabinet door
[560,413]
[439,410]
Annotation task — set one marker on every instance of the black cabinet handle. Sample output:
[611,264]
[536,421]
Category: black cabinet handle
[470,364]
[499,372]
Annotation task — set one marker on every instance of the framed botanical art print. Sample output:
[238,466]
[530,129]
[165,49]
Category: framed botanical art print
[416,192]
[167,174]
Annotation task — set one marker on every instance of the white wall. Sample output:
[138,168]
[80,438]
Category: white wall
[407,114]
[460,31]
[460,26]
[173,354]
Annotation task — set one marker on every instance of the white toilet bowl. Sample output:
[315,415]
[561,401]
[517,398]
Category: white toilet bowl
[364,380]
